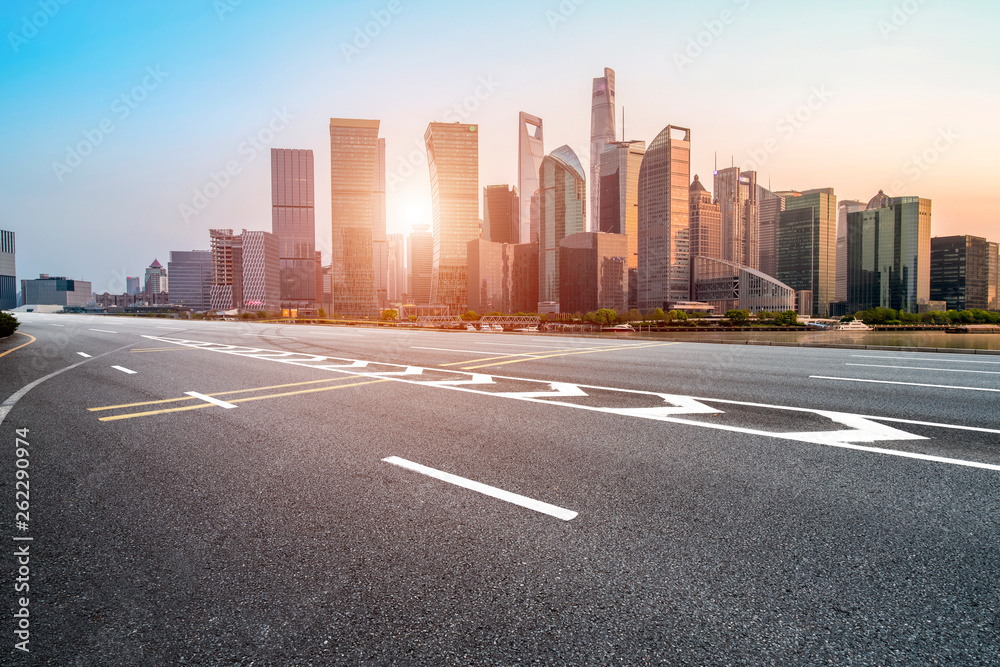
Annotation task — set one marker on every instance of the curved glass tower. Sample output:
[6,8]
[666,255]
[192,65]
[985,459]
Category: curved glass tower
[562,212]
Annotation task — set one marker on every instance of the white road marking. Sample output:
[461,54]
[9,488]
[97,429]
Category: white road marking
[209,399]
[57,325]
[124,370]
[944,358]
[84,355]
[104,331]
[907,384]
[491,491]
[509,354]
[920,368]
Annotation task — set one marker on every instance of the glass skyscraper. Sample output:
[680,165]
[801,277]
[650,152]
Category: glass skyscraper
[562,212]
[354,159]
[453,161]
[736,194]
[191,279]
[530,153]
[960,272]
[293,221]
[602,132]
[806,246]
[501,208]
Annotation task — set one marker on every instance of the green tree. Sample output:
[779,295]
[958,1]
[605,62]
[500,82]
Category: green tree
[656,315]
[738,317]
[787,318]
[470,316]
[606,317]
[321,313]
[633,315]
[8,325]
[390,315]
[765,316]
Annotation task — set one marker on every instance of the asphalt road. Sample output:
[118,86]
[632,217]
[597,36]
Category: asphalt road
[321,499]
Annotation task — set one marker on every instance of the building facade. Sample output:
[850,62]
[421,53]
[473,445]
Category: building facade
[8,271]
[354,160]
[806,245]
[530,153]
[453,161]
[261,265]
[594,272]
[293,222]
[420,264]
[562,212]
[845,207]
[155,280]
[960,272]
[602,132]
[396,250]
[56,291]
[736,194]
[380,245]
[227,269]
[888,254]
[705,223]
[993,271]
[769,206]
[730,286]
[501,211]
[191,279]
[503,277]
[664,214]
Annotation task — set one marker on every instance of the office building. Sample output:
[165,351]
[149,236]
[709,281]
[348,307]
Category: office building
[769,207]
[293,222]
[705,223]
[730,286]
[8,271]
[354,160]
[845,207]
[501,208]
[664,214]
[530,152]
[593,272]
[453,161]
[420,265]
[619,198]
[380,247]
[503,277]
[562,212]
[736,194]
[56,291]
[133,285]
[396,255]
[261,266]
[155,280]
[993,273]
[960,272]
[191,279]
[806,245]
[602,132]
[888,254]
[227,269]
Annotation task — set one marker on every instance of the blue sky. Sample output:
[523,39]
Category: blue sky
[894,95]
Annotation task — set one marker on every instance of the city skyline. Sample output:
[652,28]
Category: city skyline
[158,162]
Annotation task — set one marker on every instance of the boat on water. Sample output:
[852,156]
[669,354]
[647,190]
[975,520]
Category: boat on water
[620,328]
[853,325]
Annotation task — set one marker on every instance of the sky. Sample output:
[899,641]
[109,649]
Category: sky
[131,129]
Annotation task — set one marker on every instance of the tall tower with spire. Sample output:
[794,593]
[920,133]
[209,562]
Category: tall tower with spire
[602,132]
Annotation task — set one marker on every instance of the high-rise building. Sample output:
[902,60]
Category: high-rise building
[420,264]
[501,208]
[227,269]
[769,205]
[261,266]
[593,272]
[562,212]
[396,251]
[960,272]
[602,132]
[56,291]
[453,161]
[380,248]
[8,271]
[705,223]
[354,159]
[191,279]
[293,221]
[620,165]
[736,194]
[530,152]
[664,215]
[843,208]
[993,272]
[806,245]
[503,277]
[888,254]
[156,279]
[133,284]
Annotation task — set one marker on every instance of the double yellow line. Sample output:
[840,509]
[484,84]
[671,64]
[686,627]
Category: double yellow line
[558,354]
[148,413]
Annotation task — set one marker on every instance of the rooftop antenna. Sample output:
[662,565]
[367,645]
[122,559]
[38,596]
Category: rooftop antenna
[623,123]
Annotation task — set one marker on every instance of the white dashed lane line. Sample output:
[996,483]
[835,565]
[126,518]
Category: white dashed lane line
[124,370]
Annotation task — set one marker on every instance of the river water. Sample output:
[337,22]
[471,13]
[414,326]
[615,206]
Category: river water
[990,341]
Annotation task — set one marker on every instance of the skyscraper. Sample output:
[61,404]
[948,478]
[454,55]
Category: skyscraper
[843,208]
[530,152]
[770,205]
[664,215]
[293,222]
[453,161]
[501,209]
[261,271]
[960,272]
[354,159]
[993,273]
[562,212]
[8,271]
[593,272]
[420,263]
[380,249]
[888,254]
[227,269]
[705,223]
[191,279]
[602,132]
[736,195]
[396,250]
[156,279]
[806,246]
[619,199]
